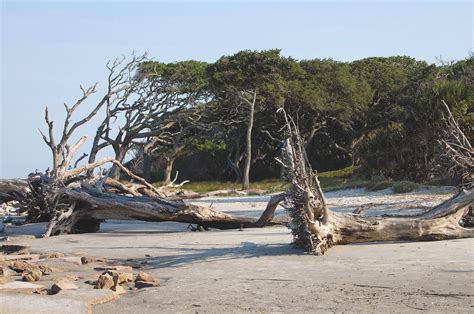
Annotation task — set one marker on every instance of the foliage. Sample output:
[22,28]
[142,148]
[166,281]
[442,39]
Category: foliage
[341,173]
[404,187]
[381,115]
[379,185]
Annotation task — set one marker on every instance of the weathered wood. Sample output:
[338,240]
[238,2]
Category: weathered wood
[94,206]
[13,190]
[267,215]
[316,228]
[440,223]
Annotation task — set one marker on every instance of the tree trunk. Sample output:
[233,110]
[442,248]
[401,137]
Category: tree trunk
[315,228]
[168,169]
[90,207]
[147,166]
[248,139]
[235,164]
[115,172]
[119,156]
[95,143]
[75,202]
[446,221]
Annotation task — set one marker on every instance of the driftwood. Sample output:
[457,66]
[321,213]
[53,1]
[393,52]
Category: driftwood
[13,190]
[80,206]
[316,228]
[92,206]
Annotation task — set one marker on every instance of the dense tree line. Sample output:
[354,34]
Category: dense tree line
[383,115]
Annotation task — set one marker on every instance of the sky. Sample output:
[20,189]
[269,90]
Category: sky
[49,48]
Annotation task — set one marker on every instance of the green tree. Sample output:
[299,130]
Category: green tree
[242,82]
[182,86]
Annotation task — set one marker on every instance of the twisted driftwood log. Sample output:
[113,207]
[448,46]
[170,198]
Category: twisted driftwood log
[90,207]
[13,190]
[78,203]
[316,228]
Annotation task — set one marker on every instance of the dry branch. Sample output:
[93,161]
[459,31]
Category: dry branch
[458,151]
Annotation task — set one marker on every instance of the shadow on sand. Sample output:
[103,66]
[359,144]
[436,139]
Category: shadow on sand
[187,255]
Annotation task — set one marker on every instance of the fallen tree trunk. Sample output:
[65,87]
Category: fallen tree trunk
[77,202]
[89,208]
[446,221]
[316,228]
[450,222]
[13,190]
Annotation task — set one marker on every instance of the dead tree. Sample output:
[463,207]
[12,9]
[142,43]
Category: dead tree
[76,200]
[122,84]
[316,228]
[136,112]
[458,151]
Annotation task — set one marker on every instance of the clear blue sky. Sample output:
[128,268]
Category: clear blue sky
[49,48]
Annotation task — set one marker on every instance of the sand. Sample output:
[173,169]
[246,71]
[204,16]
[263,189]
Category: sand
[258,270]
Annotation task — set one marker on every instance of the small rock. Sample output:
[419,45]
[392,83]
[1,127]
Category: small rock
[45,269]
[55,255]
[105,281]
[119,277]
[87,259]
[62,285]
[123,277]
[142,276]
[21,266]
[32,275]
[42,291]
[119,289]
[143,284]
[3,280]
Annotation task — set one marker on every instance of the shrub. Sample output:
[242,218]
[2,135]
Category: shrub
[341,173]
[379,185]
[404,187]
